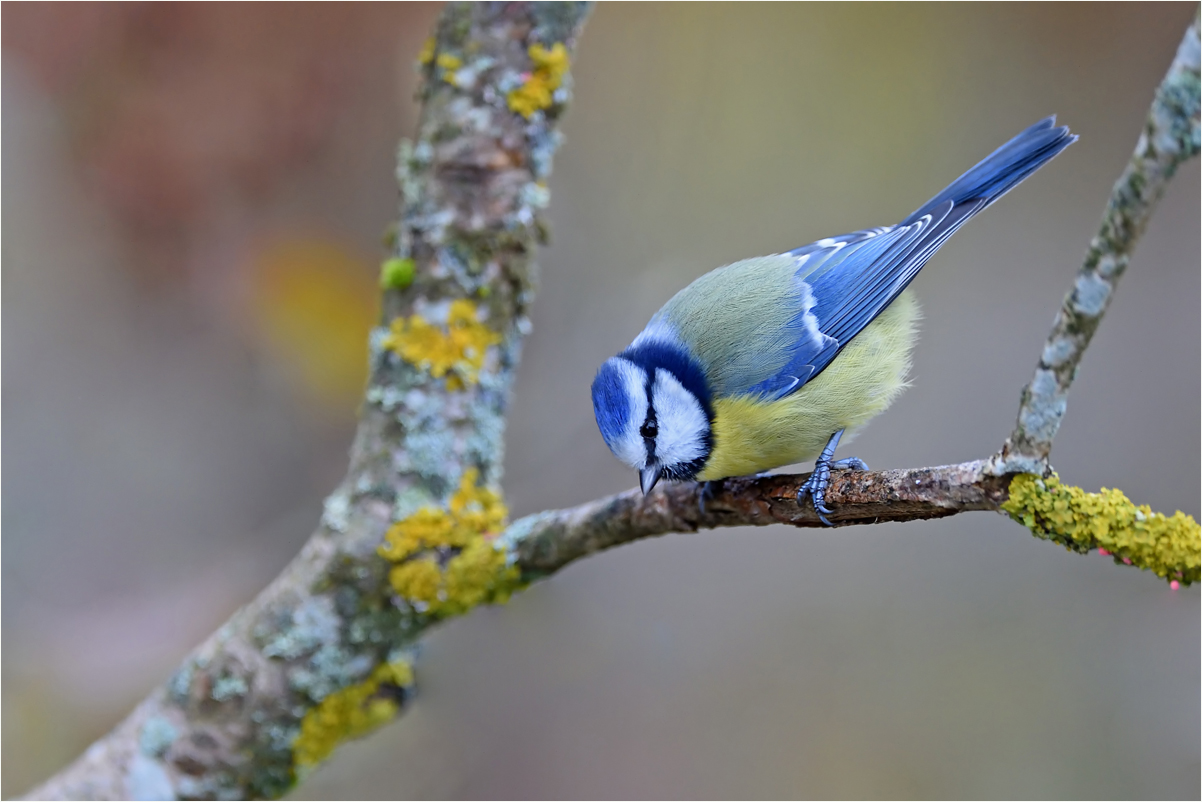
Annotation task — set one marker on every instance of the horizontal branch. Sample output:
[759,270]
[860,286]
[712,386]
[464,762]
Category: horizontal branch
[1169,546]
[545,542]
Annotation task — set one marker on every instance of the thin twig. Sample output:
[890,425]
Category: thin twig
[1170,137]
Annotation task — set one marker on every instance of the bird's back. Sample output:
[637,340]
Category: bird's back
[738,321]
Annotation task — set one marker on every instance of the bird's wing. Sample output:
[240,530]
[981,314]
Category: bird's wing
[767,326]
[847,281]
[851,279]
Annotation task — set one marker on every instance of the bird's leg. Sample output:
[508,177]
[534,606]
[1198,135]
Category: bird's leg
[820,479]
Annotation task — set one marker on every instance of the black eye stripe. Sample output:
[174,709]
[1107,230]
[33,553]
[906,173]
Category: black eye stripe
[654,356]
[650,427]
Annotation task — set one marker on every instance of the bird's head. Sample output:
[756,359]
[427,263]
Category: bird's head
[653,408]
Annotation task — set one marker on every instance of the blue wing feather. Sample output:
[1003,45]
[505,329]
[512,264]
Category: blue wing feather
[846,281]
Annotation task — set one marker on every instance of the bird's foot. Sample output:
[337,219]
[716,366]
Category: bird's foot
[706,493]
[815,487]
[820,479]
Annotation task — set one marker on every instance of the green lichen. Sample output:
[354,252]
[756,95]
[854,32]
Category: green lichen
[446,559]
[1170,547]
[351,712]
[397,274]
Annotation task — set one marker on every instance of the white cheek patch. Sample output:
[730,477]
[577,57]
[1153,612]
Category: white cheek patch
[628,446]
[681,421]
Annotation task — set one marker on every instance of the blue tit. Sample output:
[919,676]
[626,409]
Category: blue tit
[769,361]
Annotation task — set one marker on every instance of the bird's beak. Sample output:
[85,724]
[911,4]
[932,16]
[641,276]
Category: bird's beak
[648,477]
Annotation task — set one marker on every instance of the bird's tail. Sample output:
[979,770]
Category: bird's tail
[1003,169]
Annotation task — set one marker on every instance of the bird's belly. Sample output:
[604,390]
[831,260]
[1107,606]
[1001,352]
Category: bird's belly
[753,435]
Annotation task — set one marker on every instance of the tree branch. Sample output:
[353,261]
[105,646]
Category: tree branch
[322,653]
[545,542]
[1170,138]
[415,532]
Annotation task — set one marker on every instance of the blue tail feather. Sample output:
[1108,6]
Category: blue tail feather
[1006,167]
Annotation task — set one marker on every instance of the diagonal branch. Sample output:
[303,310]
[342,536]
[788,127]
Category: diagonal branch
[323,653]
[1170,138]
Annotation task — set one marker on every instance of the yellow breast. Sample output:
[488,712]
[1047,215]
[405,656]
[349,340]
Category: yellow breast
[751,436]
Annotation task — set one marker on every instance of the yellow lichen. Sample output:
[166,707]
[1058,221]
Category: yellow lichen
[426,528]
[460,350]
[418,579]
[449,65]
[480,574]
[477,509]
[1171,546]
[427,53]
[446,557]
[537,91]
[350,713]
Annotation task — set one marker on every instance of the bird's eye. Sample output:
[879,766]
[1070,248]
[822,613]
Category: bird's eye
[649,430]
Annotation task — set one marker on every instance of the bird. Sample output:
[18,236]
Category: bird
[769,361]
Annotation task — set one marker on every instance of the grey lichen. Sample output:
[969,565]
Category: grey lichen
[1058,351]
[156,736]
[336,512]
[229,686]
[330,668]
[1090,294]
[1045,406]
[303,629]
[148,779]
[179,687]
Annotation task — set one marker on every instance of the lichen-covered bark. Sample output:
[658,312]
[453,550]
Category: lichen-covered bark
[1170,137]
[323,653]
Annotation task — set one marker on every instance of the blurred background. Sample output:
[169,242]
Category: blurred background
[193,201]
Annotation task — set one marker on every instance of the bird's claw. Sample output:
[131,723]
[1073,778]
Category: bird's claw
[851,464]
[708,491]
[820,479]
